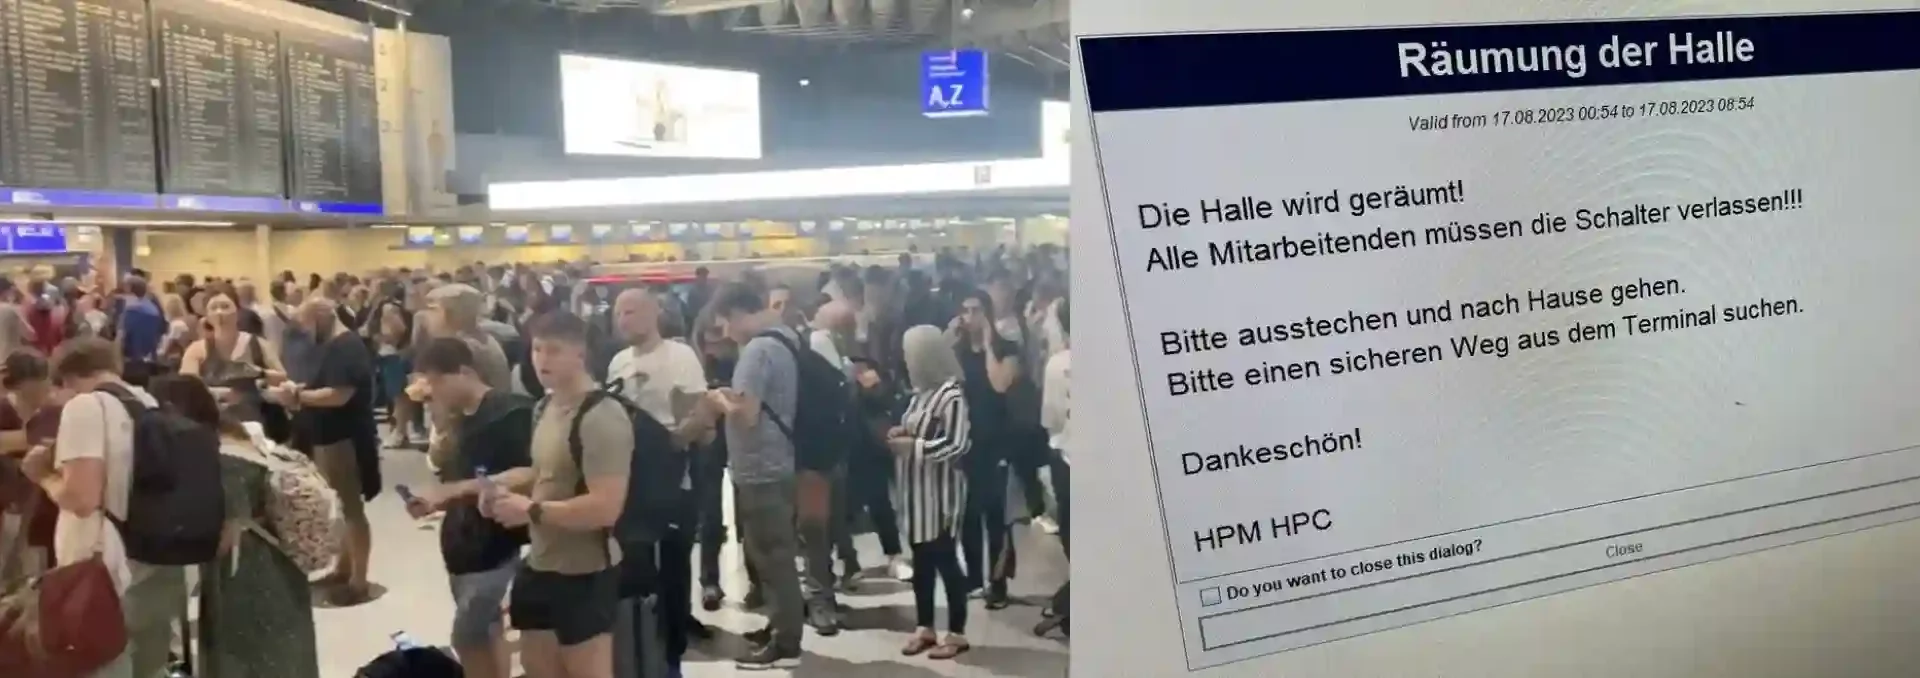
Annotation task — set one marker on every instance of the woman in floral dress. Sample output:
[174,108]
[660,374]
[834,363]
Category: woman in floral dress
[256,614]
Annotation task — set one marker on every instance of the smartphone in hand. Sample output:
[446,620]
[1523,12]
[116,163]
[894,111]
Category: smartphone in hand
[487,489]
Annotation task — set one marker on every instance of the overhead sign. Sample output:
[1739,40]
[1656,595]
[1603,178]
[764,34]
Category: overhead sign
[953,83]
[33,239]
[640,109]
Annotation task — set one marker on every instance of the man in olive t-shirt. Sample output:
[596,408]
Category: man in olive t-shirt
[606,446]
[566,600]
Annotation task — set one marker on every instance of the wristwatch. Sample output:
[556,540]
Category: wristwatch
[533,514]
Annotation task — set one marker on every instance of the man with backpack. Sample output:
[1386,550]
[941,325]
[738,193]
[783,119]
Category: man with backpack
[566,599]
[666,380]
[763,401]
[482,557]
[454,311]
[136,485]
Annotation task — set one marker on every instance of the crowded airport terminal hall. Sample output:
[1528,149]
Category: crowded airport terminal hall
[545,338]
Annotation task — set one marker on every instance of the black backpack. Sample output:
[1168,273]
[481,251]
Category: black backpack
[175,507]
[413,662]
[654,498]
[824,417]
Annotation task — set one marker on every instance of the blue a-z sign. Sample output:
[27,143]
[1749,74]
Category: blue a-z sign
[953,83]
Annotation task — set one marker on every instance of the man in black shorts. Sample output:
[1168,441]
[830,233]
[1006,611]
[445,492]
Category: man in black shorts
[566,599]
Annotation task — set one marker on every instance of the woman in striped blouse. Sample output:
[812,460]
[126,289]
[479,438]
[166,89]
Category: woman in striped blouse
[931,486]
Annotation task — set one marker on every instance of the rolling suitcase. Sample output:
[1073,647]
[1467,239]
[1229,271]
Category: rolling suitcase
[640,640]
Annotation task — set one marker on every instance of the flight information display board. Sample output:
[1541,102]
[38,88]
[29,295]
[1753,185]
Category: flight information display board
[334,122]
[222,88]
[260,106]
[76,106]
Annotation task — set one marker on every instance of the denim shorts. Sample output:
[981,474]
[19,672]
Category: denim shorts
[477,598]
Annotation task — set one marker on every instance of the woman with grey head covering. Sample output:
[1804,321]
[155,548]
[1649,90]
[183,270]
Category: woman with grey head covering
[931,486]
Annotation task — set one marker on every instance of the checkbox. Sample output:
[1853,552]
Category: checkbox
[1210,597]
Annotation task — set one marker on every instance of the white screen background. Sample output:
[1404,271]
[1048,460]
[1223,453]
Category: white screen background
[640,109]
[1842,606]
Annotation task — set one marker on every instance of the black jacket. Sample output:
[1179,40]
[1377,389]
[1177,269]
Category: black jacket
[497,436]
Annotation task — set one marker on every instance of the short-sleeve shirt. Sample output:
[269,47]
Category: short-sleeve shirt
[98,426]
[344,362]
[761,453]
[650,379]
[490,361]
[606,449]
[986,407]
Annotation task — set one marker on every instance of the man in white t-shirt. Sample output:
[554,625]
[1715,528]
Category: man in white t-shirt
[90,469]
[651,370]
[665,378]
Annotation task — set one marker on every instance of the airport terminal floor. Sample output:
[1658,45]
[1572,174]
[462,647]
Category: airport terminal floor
[406,563]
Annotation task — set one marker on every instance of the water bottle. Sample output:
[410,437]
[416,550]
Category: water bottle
[402,641]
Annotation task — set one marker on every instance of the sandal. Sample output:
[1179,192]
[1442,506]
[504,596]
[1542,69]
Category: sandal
[920,643]
[953,647]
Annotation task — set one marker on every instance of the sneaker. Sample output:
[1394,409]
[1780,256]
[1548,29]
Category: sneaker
[850,580]
[759,636]
[768,656]
[710,597]
[900,568]
[1047,525]
[996,596]
[824,619]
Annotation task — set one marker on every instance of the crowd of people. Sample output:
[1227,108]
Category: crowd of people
[579,437]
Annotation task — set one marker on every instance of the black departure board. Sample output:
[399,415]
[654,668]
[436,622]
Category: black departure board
[334,122]
[223,90]
[76,99]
